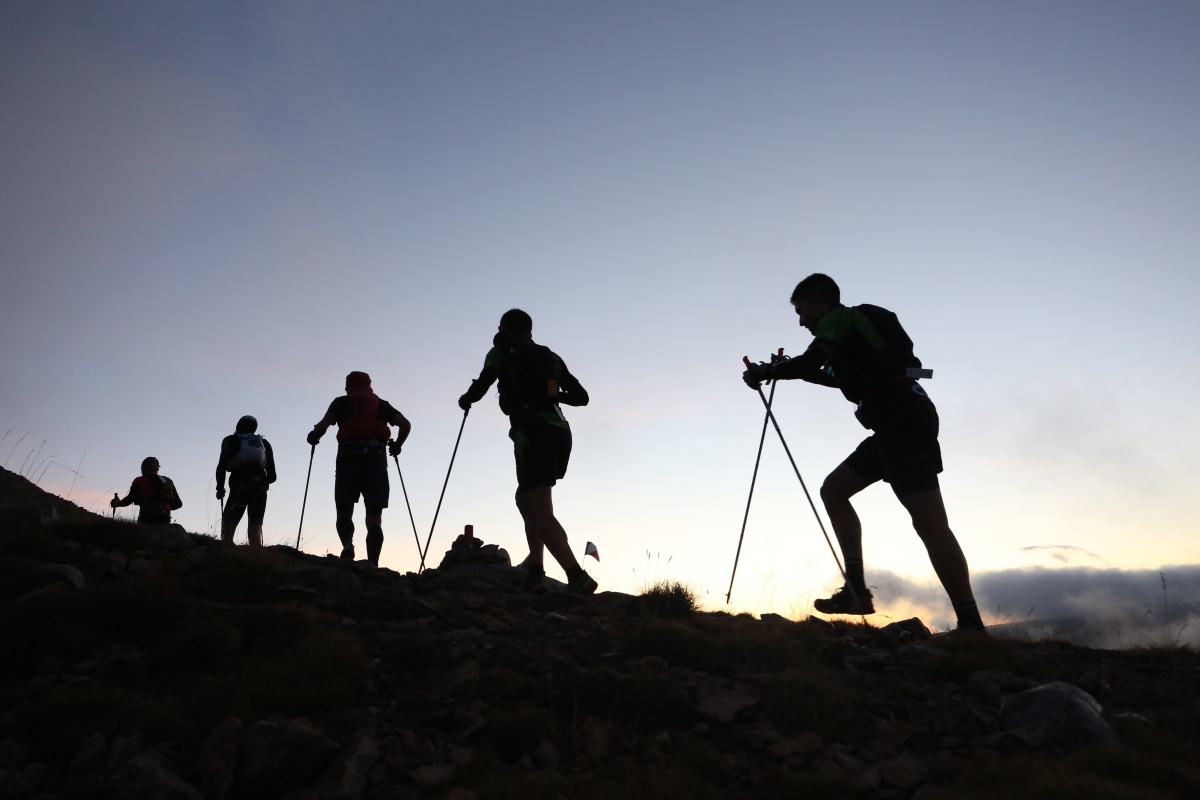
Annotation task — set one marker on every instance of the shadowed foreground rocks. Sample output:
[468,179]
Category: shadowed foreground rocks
[136,665]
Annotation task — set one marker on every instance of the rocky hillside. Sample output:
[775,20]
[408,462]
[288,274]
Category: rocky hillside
[141,662]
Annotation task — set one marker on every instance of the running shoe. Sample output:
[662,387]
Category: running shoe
[535,583]
[843,602]
[582,583]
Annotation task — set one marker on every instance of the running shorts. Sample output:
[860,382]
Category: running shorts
[904,452]
[541,449]
[361,469]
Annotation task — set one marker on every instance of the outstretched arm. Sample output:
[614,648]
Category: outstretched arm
[805,366]
[479,386]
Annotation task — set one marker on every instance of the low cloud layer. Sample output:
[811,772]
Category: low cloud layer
[1106,608]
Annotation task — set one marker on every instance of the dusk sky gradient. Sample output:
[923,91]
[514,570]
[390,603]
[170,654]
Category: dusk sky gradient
[216,209]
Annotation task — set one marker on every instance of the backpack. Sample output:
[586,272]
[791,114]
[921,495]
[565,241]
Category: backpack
[250,453]
[533,379]
[897,354]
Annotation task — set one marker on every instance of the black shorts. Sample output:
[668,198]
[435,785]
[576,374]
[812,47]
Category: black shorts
[362,471]
[904,452]
[541,449]
[251,499]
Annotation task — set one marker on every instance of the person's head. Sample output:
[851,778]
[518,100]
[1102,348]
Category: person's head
[150,466]
[246,424]
[358,382]
[814,296]
[517,322]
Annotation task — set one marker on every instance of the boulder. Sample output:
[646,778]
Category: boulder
[1056,716]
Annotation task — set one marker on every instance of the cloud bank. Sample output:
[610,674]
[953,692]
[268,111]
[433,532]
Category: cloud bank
[1103,608]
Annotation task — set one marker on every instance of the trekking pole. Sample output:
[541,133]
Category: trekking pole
[312,453]
[416,536]
[753,479]
[429,540]
[803,486]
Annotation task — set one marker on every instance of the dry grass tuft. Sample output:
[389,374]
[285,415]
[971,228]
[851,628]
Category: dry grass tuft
[669,600]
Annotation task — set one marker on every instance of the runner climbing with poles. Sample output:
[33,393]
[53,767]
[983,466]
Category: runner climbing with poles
[250,462]
[534,383]
[363,446]
[864,352]
[153,494]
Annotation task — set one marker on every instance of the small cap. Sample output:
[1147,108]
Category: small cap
[358,379]
[247,424]
[149,463]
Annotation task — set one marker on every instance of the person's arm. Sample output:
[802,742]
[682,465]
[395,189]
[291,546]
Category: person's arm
[388,414]
[319,429]
[172,494]
[222,460]
[808,366]
[479,386]
[271,476]
[570,390]
[127,499]
[403,429]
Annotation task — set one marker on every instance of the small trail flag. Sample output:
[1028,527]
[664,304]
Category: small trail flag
[590,550]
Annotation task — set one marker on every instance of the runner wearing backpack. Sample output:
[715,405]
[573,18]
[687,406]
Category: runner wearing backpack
[534,382]
[153,494]
[864,352]
[250,462]
[364,441]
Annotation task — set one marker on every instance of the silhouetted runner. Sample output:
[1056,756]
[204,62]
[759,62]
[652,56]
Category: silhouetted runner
[250,462]
[533,383]
[153,494]
[363,447]
[864,352]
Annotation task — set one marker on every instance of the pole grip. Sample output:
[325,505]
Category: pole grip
[746,361]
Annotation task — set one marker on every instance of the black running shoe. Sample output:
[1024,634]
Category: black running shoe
[843,602]
[348,552]
[535,582]
[582,583]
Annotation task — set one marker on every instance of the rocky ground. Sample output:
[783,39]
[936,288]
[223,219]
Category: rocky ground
[141,662]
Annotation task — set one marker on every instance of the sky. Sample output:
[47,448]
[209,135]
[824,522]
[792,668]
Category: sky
[217,209]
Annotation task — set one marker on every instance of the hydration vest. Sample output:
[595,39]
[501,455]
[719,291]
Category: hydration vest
[531,381]
[251,452]
[363,421]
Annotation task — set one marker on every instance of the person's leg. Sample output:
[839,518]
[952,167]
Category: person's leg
[857,472]
[374,534]
[542,528]
[257,510]
[234,508]
[928,512]
[840,485]
[375,494]
[345,528]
